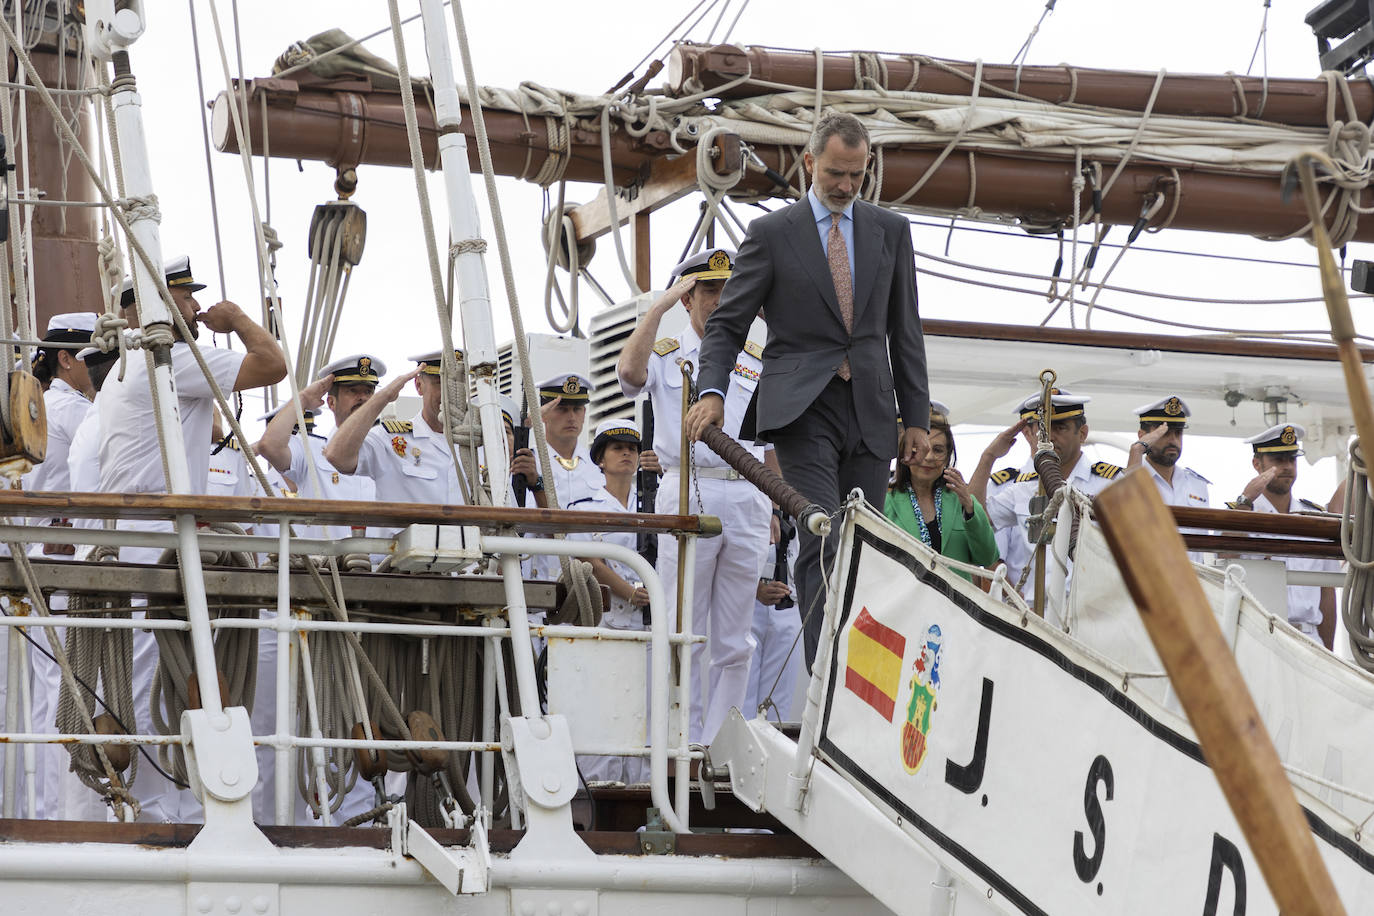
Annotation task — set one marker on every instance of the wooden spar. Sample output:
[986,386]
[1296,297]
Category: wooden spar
[1297,102]
[347,123]
[1135,340]
[1204,674]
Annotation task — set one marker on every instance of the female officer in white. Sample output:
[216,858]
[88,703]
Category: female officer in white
[616,452]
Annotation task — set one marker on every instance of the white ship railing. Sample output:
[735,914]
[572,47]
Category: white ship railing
[667,727]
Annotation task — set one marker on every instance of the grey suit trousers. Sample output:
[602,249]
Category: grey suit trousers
[822,454]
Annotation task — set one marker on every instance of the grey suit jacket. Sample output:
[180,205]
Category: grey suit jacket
[781,269]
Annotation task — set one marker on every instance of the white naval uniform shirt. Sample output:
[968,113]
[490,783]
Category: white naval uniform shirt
[621,615]
[1009,508]
[998,481]
[65,408]
[580,480]
[1304,601]
[129,460]
[664,385]
[1189,488]
[335,484]
[409,463]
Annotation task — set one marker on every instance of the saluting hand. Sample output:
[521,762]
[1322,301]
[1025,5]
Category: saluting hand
[1003,441]
[1256,486]
[312,395]
[392,390]
[673,295]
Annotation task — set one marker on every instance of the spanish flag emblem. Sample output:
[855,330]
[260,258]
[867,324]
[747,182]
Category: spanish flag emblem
[874,671]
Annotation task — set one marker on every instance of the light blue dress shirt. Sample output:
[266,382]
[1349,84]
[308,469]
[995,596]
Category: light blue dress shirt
[823,220]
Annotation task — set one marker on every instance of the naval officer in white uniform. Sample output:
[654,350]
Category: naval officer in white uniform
[342,386]
[615,450]
[1311,608]
[1009,508]
[65,402]
[409,461]
[563,401]
[727,567]
[129,458]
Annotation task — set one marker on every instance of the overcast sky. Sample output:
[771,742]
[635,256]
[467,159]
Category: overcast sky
[586,47]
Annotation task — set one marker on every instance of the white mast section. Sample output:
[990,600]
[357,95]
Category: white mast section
[108,36]
[474,298]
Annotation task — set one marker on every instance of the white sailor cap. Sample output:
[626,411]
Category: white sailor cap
[70,327]
[177,273]
[569,386]
[1284,439]
[1065,405]
[616,429]
[360,367]
[711,264]
[1166,410]
[432,363]
[939,409]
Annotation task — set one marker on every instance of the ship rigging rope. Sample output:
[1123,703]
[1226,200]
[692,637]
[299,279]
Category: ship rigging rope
[578,585]
[236,659]
[115,792]
[1357,543]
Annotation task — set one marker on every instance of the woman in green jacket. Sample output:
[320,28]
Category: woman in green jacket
[932,501]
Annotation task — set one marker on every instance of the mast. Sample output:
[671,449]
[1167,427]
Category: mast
[64,240]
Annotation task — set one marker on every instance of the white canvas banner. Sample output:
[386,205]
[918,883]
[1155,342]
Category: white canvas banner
[1014,755]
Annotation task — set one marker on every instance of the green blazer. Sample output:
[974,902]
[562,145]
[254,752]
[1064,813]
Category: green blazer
[970,540]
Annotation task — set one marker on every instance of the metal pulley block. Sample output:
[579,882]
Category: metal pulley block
[24,432]
[344,225]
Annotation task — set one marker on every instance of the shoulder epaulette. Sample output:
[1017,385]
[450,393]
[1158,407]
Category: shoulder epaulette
[1311,505]
[398,426]
[1003,475]
[577,502]
[666,345]
[753,349]
[1109,471]
[1201,478]
[233,443]
[1234,505]
[1027,475]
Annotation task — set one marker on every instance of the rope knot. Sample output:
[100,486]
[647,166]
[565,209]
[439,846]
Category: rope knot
[108,333]
[467,246]
[140,208]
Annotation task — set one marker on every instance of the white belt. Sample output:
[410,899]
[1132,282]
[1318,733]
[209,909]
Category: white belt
[712,473]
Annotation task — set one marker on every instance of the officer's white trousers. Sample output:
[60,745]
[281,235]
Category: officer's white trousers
[723,588]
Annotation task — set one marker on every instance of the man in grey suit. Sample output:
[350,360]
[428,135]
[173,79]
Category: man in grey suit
[835,279]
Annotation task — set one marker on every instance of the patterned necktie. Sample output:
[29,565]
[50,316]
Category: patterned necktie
[838,256]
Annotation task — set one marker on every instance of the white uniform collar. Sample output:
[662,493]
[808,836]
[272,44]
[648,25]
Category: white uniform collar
[690,341]
[58,384]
